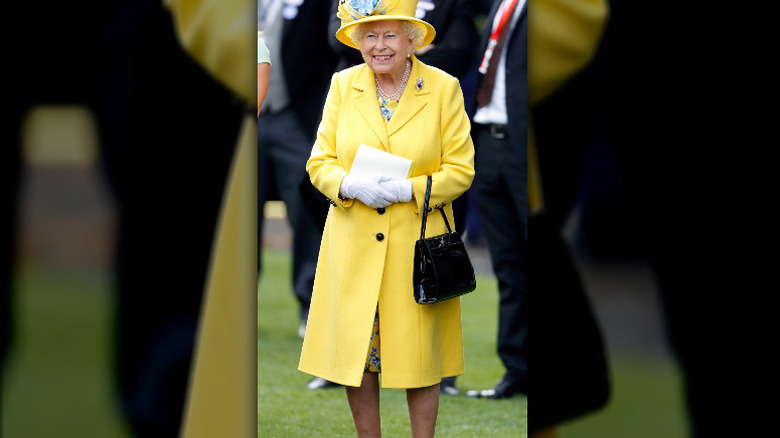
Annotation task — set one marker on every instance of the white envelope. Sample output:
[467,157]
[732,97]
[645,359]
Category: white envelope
[370,161]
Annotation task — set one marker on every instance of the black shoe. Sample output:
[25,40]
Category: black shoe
[447,386]
[319,383]
[505,388]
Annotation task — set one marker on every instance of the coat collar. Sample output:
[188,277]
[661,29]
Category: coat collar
[413,100]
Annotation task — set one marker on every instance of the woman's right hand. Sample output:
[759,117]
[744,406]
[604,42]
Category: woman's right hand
[368,190]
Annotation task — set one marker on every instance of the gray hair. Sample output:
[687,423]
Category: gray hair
[412,31]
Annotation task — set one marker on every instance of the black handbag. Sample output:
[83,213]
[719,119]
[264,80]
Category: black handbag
[442,268]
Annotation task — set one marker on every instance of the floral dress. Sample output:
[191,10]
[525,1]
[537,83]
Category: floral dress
[372,361]
[387,108]
[373,364]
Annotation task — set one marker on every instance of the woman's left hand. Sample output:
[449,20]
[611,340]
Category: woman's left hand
[401,189]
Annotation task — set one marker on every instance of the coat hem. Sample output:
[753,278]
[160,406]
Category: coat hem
[331,378]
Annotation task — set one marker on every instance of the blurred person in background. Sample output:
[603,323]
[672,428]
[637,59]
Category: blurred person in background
[296,36]
[452,50]
[151,71]
[362,310]
[647,195]
[168,118]
[571,376]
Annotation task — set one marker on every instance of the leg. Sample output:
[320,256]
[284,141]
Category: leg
[364,404]
[423,410]
[447,386]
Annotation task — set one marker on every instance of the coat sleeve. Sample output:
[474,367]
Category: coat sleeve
[456,172]
[323,166]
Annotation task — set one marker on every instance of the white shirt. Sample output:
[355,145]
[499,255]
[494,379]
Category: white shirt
[495,111]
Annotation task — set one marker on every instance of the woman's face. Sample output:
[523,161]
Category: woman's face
[384,47]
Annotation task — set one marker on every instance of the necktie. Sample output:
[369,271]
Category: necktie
[490,62]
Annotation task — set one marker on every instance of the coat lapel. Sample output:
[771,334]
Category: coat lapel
[365,101]
[413,99]
[515,32]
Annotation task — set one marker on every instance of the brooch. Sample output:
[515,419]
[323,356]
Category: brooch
[419,84]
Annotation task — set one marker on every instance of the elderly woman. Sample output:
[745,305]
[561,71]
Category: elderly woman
[363,318]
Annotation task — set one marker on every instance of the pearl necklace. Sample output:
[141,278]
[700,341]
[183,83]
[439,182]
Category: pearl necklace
[400,91]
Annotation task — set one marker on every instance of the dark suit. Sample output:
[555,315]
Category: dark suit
[502,200]
[285,137]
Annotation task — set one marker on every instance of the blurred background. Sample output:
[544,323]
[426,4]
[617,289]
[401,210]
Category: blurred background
[117,141]
[58,378]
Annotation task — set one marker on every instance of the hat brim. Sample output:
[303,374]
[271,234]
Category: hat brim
[343,34]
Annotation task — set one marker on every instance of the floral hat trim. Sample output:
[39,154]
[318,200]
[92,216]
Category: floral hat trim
[357,9]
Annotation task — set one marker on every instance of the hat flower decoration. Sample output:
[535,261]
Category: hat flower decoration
[357,9]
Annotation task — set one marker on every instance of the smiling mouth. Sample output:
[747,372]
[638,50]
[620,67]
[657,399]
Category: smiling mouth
[382,57]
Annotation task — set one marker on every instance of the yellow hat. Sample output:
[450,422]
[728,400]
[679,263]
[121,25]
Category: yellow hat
[353,12]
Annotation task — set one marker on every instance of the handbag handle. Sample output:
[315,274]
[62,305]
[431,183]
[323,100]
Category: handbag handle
[425,210]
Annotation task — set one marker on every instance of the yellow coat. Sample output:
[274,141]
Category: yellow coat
[356,272]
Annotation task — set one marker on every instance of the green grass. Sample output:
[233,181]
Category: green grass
[646,401]
[286,408]
[58,381]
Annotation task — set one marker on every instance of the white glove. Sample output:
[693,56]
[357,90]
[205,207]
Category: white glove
[367,190]
[401,189]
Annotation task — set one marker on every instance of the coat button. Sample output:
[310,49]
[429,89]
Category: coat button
[380,237]
[380,210]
